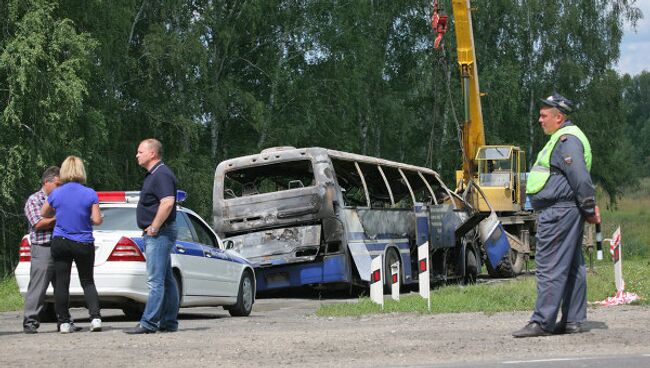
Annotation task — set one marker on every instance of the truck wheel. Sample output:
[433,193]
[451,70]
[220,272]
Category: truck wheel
[471,266]
[518,262]
[504,268]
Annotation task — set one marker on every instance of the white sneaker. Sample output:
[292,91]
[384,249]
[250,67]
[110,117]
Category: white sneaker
[95,325]
[65,328]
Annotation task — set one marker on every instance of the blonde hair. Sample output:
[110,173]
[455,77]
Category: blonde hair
[72,169]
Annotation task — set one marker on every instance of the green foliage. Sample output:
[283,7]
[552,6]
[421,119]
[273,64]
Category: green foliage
[218,79]
[44,69]
[632,214]
[636,94]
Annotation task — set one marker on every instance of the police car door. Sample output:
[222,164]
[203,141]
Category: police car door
[218,272]
[188,257]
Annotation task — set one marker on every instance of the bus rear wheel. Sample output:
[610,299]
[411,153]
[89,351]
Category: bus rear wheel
[391,258]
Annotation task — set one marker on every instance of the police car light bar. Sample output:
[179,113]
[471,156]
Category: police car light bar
[131,196]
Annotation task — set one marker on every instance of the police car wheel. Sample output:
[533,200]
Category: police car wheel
[245,297]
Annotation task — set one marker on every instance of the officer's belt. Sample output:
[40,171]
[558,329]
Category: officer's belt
[562,204]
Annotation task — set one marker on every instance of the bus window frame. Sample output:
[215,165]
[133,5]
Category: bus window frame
[390,190]
[426,183]
[363,181]
[408,184]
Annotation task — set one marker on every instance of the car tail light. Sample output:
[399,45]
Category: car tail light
[126,250]
[25,251]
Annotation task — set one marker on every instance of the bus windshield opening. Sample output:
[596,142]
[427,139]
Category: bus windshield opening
[269,178]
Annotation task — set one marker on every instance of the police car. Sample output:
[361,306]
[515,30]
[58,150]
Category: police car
[205,272]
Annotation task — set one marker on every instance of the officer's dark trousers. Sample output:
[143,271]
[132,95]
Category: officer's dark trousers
[64,252]
[561,273]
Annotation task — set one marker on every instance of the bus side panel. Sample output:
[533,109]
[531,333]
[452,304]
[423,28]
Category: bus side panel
[370,232]
[443,223]
[332,269]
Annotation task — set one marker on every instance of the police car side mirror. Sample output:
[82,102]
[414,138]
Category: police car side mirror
[229,244]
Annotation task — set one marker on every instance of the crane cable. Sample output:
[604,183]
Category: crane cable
[439,25]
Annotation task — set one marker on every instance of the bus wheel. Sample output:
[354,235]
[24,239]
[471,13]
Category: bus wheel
[471,266]
[391,257]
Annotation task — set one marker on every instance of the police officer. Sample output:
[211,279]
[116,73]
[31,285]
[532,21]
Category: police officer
[563,195]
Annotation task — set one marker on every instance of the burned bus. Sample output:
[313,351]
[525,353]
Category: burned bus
[317,217]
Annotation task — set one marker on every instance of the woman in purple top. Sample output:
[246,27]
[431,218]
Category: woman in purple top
[77,210]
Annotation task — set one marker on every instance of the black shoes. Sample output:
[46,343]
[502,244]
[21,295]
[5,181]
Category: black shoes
[139,330]
[30,329]
[568,328]
[532,329]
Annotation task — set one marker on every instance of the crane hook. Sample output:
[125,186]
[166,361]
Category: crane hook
[438,24]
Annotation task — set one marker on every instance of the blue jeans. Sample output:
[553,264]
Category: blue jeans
[161,311]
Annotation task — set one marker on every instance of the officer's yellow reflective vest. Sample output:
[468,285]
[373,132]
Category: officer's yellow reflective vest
[541,170]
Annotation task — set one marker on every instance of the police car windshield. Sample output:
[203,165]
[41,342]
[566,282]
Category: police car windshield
[118,218]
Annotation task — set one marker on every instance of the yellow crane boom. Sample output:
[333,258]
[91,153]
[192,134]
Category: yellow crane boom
[473,131]
[496,171]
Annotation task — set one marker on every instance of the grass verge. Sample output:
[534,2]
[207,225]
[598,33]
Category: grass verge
[633,216]
[10,298]
[514,295]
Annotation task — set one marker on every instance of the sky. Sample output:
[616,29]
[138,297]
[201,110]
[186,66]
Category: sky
[635,47]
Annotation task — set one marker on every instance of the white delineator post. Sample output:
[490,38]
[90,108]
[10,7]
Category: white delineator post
[377,281]
[423,271]
[395,281]
[617,257]
[621,297]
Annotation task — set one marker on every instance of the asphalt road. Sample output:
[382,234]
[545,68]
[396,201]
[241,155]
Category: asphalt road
[285,332]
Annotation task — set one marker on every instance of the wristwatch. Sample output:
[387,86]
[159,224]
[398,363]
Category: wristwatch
[153,229]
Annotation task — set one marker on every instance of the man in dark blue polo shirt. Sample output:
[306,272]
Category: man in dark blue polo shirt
[156,216]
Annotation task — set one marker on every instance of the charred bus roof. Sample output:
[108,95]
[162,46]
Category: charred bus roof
[286,153]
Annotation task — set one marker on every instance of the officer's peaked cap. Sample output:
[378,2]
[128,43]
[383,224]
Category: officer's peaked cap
[559,102]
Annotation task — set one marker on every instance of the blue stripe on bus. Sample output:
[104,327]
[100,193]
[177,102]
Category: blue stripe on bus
[360,235]
[332,269]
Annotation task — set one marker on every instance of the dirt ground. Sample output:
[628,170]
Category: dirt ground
[285,332]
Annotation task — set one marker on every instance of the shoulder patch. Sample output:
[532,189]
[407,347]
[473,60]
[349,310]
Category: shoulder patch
[568,160]
[563,138]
